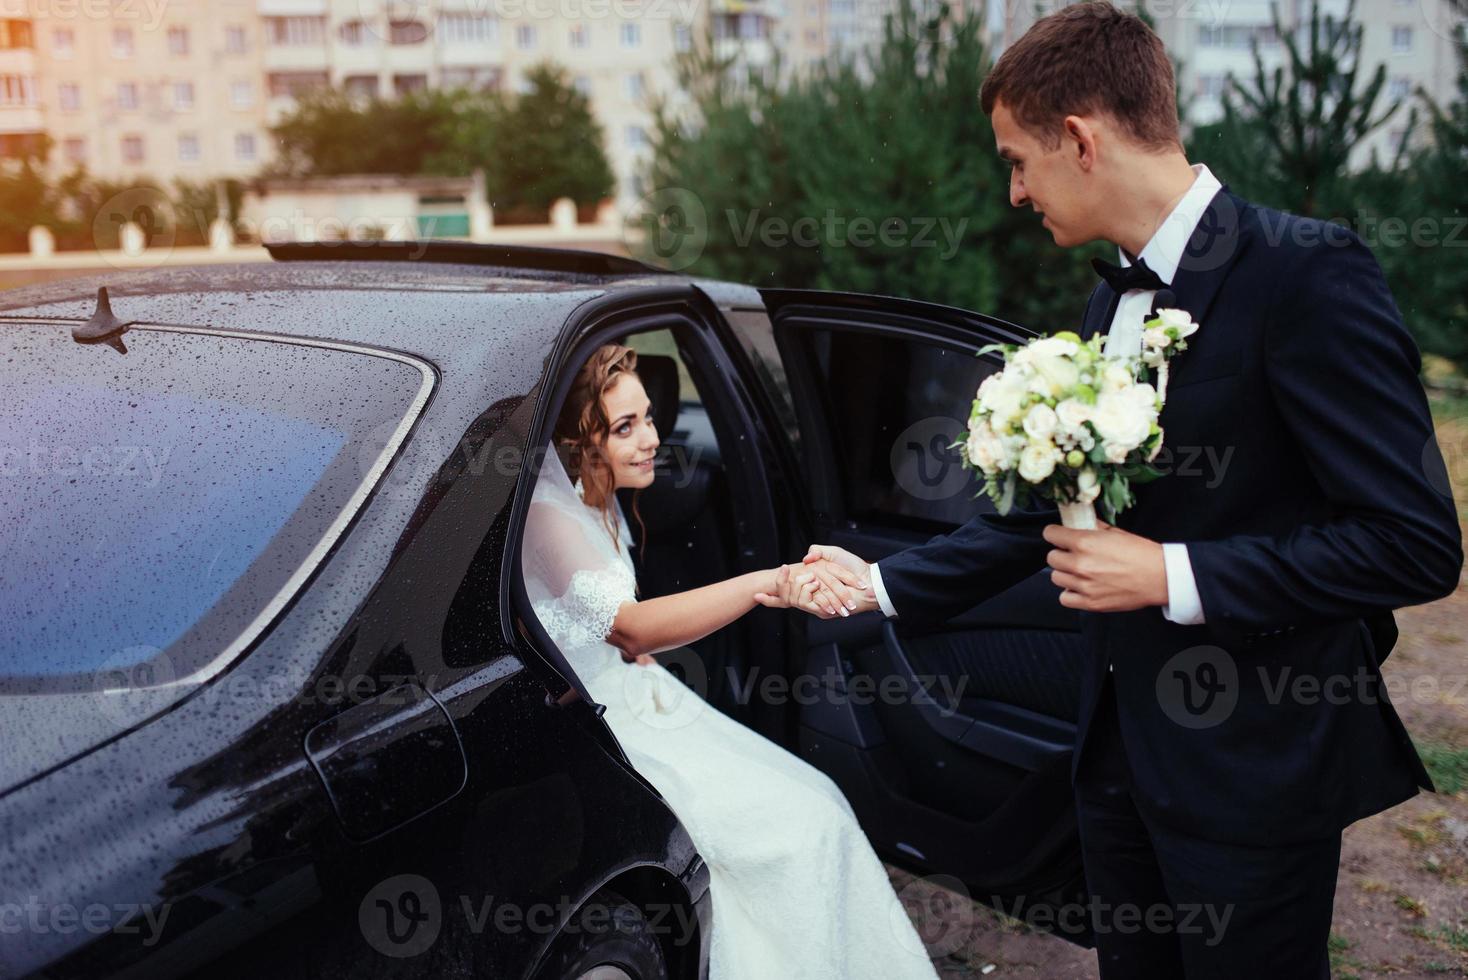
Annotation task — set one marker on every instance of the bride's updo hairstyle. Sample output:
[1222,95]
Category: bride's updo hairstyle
[583,428]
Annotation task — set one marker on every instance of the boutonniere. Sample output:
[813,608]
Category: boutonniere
[1164,336]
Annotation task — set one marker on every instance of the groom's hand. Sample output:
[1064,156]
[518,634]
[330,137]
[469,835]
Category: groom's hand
[1106,570]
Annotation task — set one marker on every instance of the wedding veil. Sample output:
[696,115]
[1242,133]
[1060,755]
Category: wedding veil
[576,574]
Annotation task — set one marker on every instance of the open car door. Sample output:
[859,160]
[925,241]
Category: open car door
[960,765]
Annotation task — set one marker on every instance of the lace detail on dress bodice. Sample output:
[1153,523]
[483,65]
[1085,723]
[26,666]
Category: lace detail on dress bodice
[584,615]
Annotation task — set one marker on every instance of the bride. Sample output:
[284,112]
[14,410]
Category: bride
[796,889]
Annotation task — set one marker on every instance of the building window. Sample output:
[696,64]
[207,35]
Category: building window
[294,84]
[631,35]
[241,94]
[17,90]
[468,29]
[16,34]
[360,86]
[633,86]
[408,84]
[1401,39]
[582,84]
[636,137]
[1211,86]
[485,78]
[63,42]
[580,36]
[183,96]
[235,40]
[682,38]
[354,34]
[524,36]
[843,8]
[1399,87]
[74,148]
[295,31]
[1237,35]
[178,40]
[127,96]
[746,27]
[407,32]
[122,42]
[132,149]
[188,148]
[244,146]
[69,97]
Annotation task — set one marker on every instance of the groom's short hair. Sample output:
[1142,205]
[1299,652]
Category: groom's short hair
[1086,58]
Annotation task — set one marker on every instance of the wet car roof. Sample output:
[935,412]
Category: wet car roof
[435,309]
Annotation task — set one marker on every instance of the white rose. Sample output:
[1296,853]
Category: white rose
[1144,394]
[1072,413]
[1060,373]
[1040,422]
[1122,421]
[1115,376]
[1180,320]
[1003,398]
[1038,460]
[1052,347]
[1155,337]
[1116,452]
[1088,487]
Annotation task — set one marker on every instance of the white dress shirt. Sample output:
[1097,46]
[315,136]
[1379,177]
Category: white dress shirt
[1162,253]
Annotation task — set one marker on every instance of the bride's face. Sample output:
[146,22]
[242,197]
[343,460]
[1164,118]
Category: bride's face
[633,439]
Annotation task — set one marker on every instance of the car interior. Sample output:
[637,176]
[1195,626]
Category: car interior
[969,774]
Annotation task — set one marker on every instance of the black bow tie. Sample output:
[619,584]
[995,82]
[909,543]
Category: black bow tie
[1125,277]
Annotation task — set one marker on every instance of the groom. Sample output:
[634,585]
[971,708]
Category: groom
[1233,718]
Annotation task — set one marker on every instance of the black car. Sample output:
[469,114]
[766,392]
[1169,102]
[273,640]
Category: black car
[273,700]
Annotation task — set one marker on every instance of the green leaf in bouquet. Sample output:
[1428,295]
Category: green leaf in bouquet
[1084,393]
[991,348]
[1005,503]
[1146,473]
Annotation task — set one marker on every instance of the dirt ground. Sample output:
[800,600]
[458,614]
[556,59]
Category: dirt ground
[1401,907]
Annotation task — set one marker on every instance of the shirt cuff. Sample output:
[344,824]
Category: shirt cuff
[1184,605]
[882,601]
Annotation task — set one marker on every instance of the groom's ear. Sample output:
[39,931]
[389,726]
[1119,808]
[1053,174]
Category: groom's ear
[1080,138]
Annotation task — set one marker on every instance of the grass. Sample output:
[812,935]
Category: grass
[1342,967]
[1446,764]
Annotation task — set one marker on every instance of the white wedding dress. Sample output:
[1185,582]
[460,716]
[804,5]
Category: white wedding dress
[797,892]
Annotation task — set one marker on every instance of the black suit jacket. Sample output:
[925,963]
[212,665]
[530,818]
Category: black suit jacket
[1305,479]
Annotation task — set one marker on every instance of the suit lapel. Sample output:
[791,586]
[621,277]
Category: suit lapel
[1099,310]
[1215,246]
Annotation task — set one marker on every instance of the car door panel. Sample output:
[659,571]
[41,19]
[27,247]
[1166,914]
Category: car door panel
[966,771]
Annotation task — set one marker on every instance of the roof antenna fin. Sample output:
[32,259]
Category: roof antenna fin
[104,327]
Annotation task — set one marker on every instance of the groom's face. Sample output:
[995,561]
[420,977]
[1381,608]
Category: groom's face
[1050,180]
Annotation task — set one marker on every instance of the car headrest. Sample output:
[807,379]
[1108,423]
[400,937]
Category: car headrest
[660,379]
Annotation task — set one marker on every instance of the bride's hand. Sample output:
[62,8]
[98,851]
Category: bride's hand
[793,588]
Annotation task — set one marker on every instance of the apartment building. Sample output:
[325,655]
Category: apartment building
[189,88]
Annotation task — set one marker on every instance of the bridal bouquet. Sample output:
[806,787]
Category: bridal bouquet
[1071,424]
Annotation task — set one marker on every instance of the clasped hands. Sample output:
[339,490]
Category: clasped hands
[1105,570]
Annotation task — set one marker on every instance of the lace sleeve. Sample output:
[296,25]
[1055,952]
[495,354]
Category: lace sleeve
[585,585]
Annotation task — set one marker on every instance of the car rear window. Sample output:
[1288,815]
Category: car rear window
[162,506]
